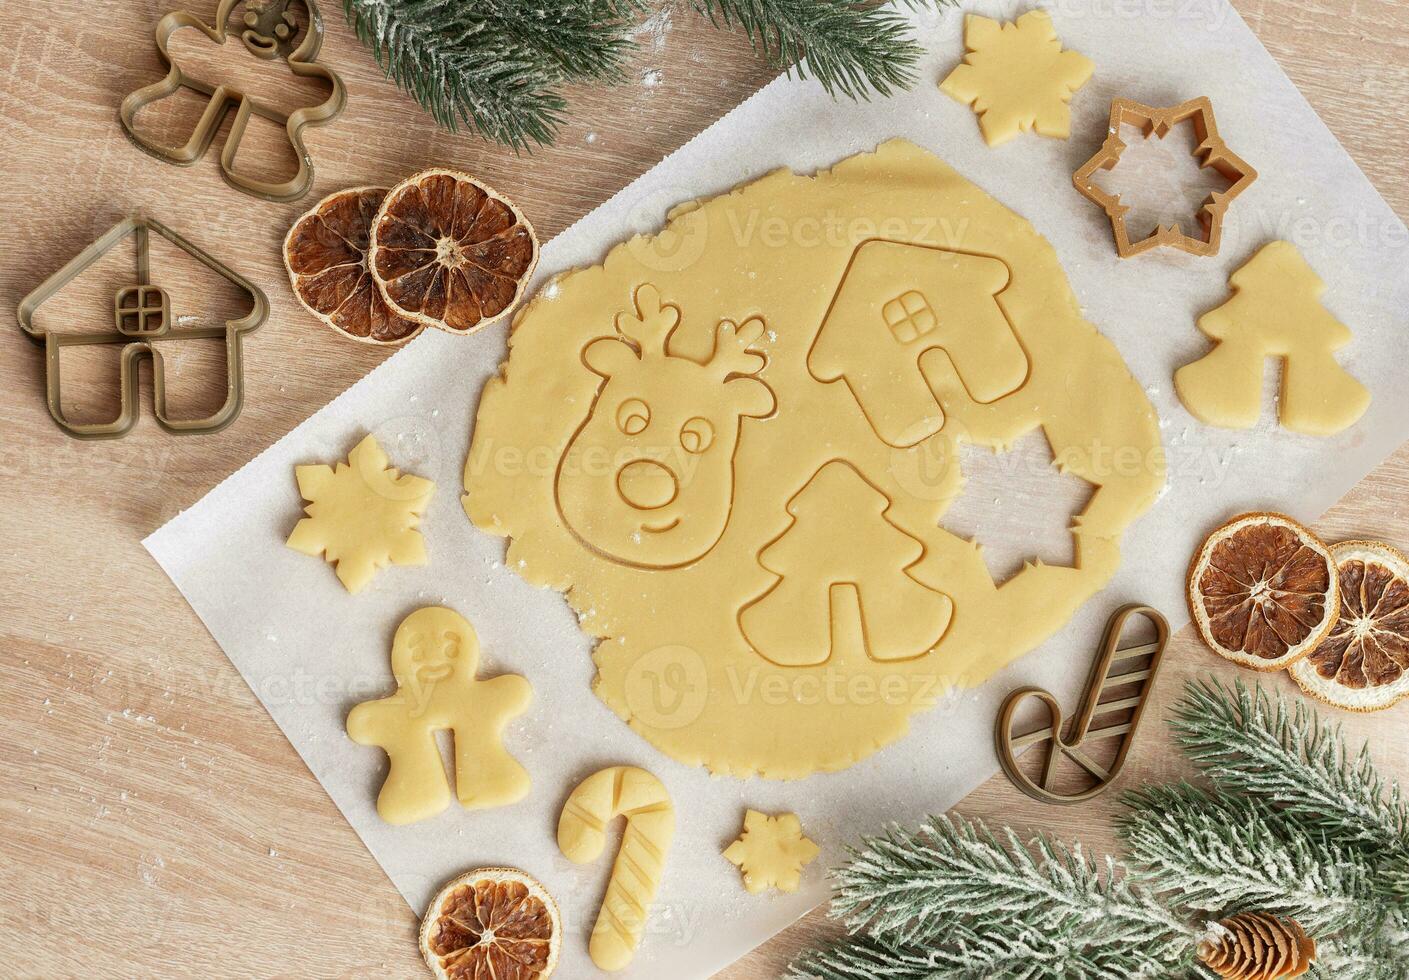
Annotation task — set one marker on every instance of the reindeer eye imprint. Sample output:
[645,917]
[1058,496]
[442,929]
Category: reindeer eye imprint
[633,416]
[696,435]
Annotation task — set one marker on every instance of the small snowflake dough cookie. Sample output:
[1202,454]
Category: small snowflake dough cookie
[1275,311]
[1017,77]
[361,515]
[771,852]
[434,657]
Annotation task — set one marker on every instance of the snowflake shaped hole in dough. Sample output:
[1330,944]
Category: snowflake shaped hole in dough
[772,852]
[1017,77]
[362,515]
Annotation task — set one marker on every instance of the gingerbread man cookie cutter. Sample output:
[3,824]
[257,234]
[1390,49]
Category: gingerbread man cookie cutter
[143,323]
[1138,665]
[1212,154]
[270,32]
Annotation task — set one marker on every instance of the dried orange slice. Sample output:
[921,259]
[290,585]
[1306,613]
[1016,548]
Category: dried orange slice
[492,924]
[1363,664]
[325,253]
[449,252]
[1263,591]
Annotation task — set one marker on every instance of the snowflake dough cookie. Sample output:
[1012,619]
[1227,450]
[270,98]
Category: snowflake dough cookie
[434,657]
[772,852]
[1017,77]
[1275,311]
[735,457]
[361,515]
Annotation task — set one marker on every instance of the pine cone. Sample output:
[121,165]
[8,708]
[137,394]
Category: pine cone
[1257,946]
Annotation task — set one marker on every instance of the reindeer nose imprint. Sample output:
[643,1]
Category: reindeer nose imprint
[646,484]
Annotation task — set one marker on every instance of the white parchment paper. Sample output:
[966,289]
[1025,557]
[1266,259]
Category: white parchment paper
[310,651]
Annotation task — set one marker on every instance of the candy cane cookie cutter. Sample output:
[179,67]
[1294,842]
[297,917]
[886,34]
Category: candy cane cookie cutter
[650,825]
[1119,670]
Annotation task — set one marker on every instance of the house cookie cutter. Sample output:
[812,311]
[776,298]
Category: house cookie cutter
[269,33]
[1138,664]
[143,323]
[1212,153]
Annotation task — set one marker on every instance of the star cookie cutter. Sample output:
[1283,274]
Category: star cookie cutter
[143,323]
[1212,153]
[269,32]
[1126,707]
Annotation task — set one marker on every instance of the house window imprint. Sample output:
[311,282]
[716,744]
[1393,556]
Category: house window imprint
[910,316]
[141,311]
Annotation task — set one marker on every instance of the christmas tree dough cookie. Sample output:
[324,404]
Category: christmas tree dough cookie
[434,657]
[1275,311]
[701,456]
[1017,77]
[771,852]
[362,515]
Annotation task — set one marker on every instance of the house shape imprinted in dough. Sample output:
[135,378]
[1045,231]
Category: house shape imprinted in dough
[896,302]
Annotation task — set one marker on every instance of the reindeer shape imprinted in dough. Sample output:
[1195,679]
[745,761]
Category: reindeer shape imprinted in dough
[434,657]
[648,480]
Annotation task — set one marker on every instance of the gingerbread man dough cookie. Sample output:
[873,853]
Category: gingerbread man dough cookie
[434,657]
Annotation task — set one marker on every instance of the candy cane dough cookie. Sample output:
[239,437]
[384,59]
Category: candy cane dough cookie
[650,826]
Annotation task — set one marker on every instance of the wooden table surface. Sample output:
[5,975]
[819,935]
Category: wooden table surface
[155,821]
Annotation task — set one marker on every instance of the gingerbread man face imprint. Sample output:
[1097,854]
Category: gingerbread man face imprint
[434,657]
[428,652]
[269,30]
[648,480]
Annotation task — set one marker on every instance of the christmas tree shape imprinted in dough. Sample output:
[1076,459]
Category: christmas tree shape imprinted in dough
[434,657]
[1275,311]
[361,515]
[772,852]
[1017,77]
[840,542]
